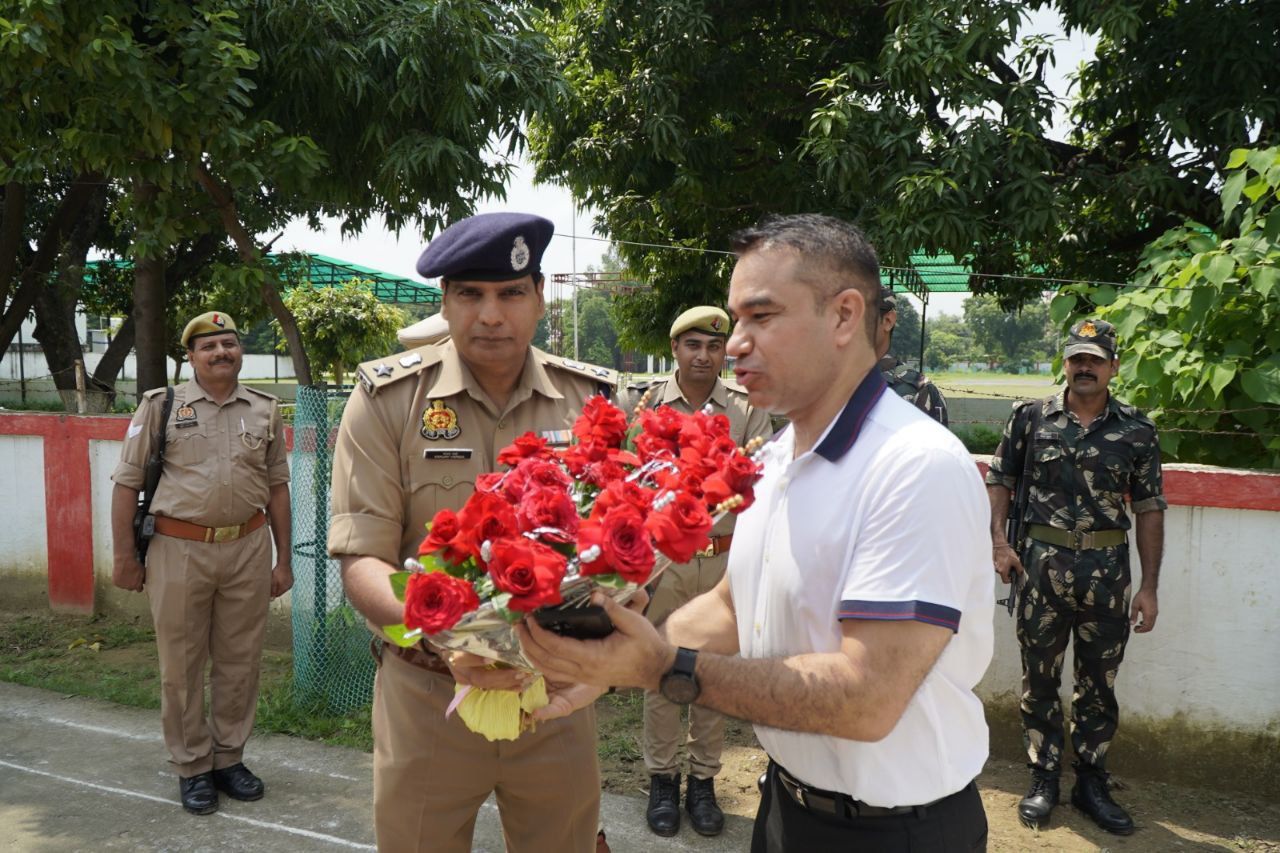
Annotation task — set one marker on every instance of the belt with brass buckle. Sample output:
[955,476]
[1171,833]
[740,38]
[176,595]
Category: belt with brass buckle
[180,529]
[1077,540]
[717,546]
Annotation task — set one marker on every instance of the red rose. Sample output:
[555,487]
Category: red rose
[680,528]
[662,423]
[716,490]
[601,474]
[489,482]
[442,538]
[601,421]
[485,517]
[739,472]
[549,508]
[529,570]
[722,446]
[545,475]
[591,543]
[578,456]
[622,493]
[626,543]
[655,447]
[527,446]
[434,601]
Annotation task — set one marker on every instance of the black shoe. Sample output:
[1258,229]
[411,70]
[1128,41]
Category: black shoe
[198,795]
[238,783]
[663,813]
[1035,807]
[1090,795]
[704,813]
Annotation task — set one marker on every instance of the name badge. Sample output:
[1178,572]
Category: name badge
[450,454]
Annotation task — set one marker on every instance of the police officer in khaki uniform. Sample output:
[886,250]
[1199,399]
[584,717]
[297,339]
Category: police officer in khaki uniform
[208,572]
[909,384]
[698,344]
[423,426]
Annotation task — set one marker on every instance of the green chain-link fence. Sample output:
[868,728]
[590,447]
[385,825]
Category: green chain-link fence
[331,662]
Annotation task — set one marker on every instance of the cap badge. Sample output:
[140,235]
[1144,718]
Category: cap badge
[519,254]
[439,421]
[715,323]
[217,320]
[1088,330]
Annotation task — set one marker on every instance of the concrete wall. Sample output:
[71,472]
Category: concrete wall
[1200,695]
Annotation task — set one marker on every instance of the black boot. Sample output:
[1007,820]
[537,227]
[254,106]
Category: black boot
[664,804]
[1035,807]
[1090,795]
[238,783]
[197,793]
[704,812]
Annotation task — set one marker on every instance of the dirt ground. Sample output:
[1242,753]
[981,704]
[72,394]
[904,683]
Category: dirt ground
[1169,817]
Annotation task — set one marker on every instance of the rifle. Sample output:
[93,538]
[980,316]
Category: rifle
[144,523]
[1016,521]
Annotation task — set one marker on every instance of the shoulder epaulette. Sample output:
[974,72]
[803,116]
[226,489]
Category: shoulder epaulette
[154,392]
[640,386]
[381,372]
[1135,413]
[732,385]
[590,371]
[272,397]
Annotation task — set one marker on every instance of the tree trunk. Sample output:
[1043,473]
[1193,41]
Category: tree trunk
[108,369]
[36,274]
[151,342]
[250,254]
[12,220]
[56,307]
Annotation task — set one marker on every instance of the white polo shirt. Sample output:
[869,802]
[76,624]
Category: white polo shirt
[886,518]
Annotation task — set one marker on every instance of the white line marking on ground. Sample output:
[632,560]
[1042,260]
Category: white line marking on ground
[102,730]
[262,824]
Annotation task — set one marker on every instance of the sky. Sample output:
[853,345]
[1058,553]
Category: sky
[382,249]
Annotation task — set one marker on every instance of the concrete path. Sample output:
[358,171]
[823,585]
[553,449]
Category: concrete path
[80,774]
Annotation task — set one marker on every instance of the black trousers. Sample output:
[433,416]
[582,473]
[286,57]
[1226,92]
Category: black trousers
[951,825]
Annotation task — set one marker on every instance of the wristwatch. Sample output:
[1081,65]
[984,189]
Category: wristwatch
[679,684]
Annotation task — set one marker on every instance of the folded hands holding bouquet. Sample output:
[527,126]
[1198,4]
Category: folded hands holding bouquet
[567,539]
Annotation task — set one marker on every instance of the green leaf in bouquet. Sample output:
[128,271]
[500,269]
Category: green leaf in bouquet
[399,580]
[402,636]
[500,606]
[612,581]
[485,589]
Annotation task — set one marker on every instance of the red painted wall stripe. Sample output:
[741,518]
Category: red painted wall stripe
[69,509]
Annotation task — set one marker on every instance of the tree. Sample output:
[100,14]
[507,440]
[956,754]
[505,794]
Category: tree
[949,341]
[905,344]
[1011,338]
[343,325]
[1199,325]
[927,121]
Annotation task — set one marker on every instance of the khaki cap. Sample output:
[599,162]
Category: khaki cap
[209,323]
[431,330]
[704,318]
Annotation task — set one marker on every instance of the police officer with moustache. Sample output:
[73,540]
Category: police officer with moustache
[911,385]
[414,438]
[698,345]
[208,572]
[1088,449]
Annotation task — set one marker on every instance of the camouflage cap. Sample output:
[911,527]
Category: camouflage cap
[704,318]
[1097,337]
[209,323]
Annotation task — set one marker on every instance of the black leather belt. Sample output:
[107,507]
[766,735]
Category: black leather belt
[842,805]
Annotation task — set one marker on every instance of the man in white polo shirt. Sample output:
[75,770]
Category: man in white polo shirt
[855,617]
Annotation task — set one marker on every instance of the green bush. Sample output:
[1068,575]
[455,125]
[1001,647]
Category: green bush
[978,438]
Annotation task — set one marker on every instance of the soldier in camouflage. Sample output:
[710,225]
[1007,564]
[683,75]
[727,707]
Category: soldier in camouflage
[911,385]
[1088,450]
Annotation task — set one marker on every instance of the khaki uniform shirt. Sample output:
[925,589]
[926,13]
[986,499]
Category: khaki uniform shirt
[420,430]
[727,398]
[220,461]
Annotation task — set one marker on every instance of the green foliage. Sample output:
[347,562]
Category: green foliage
[1009,338]
[927,121]
[343,325]
[906,335]
[1199,332]
[978,438]
[948,341]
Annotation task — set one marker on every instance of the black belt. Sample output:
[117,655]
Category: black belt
[842,805]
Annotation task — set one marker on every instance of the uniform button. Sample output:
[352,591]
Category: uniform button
[447,480]
[502,424]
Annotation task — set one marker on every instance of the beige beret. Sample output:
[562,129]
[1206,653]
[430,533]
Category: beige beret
[703,318]
[209,323]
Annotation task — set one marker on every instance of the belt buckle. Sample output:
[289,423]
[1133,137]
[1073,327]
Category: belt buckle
[226,534]
[709,551]
[1075,540]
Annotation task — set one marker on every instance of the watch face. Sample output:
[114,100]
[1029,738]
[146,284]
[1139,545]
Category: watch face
[679,688]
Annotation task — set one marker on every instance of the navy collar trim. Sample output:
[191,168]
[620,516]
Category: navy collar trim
[844,432]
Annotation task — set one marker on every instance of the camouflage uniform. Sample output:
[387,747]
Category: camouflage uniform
[914,387]
[1079,479]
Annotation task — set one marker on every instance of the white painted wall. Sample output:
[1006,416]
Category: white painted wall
[1214,655]
[256,366]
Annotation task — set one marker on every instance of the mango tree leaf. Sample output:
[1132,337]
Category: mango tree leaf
[402,636]
[399,580]
[1265,278]
[1219,268]
[1061,307]
[1231,193]
[1262,383]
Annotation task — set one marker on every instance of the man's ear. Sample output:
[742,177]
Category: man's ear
[674,344]
[850,314]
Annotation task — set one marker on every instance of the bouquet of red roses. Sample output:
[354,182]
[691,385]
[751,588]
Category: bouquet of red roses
[610,511]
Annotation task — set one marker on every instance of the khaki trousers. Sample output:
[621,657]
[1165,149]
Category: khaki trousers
[663,729]
[431,775]
[209,602]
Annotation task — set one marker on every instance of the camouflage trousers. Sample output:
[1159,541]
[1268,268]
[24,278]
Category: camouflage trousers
[1080,594]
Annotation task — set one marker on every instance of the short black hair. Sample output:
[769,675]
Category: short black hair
[822,240]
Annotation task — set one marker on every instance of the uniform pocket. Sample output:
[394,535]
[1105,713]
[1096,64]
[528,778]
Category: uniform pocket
[189,446]
[436,484]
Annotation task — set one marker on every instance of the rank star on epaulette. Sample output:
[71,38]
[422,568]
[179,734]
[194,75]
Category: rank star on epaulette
[439,422]
[383,370]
